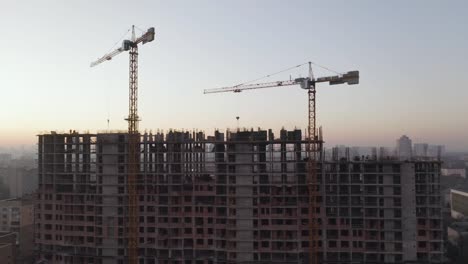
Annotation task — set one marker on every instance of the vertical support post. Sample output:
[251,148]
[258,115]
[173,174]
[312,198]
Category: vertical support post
[133,91]
[133,158]
[312,182]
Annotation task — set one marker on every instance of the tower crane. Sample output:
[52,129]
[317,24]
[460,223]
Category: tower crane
[314,143]
[133,134]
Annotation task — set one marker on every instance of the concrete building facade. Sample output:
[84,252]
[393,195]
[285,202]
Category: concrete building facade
[8,251]
[234,197]
[458,204]
[17,216]
[382,211]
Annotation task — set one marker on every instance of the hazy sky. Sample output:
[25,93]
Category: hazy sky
[412,57]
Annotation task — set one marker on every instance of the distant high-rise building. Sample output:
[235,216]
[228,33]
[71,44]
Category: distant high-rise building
[385,152]
[341,151]
[21,181]
[436,151]
[420,149]
[5,159]
[404,147]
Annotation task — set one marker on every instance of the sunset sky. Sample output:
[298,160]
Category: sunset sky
[412,57]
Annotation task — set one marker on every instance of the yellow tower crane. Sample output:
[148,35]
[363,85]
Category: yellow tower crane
[133,135]
[314,143]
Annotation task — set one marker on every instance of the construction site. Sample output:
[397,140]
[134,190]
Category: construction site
[234,197]
[241,196]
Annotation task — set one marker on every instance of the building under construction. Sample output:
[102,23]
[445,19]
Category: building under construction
[234,197]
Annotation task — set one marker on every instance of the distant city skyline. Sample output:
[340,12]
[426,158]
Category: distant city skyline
[411,58]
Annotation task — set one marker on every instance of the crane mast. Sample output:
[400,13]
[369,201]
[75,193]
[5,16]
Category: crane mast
[133,136]
[312,147]
[133,157]
[313,142]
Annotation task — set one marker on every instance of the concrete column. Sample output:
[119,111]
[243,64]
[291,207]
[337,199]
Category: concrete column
[408,209]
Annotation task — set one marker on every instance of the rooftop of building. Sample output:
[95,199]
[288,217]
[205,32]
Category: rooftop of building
[459,192]
[238,135]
